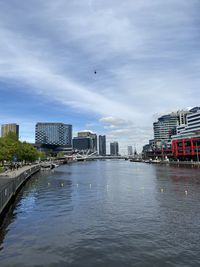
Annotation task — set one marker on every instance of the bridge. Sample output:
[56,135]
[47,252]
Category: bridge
[93,156]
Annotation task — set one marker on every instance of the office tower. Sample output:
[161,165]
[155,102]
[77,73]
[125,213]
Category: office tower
[186,142]
[83,144]
[56,134]
[91,135]
[102,145]
[114,149]
[10,128]
[130,150]
[166,126]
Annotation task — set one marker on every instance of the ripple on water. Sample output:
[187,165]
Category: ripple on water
[105,213]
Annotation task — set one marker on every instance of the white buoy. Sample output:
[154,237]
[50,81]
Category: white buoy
[186,192]
[161,190]
[48,184]
[62,184]
[90,185]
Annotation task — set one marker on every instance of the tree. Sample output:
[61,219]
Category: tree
[60,154]
[28,152]
[12,149]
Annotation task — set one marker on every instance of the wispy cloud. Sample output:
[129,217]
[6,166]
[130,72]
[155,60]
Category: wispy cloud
[145,53]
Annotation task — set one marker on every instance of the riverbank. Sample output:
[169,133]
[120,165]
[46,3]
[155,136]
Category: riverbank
[10,184]
[164,162]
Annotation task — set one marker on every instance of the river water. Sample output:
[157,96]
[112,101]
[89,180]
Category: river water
[105,213]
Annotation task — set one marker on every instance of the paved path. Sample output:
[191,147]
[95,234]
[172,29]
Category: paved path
[5,177]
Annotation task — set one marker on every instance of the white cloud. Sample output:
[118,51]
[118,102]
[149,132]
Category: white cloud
[145,54]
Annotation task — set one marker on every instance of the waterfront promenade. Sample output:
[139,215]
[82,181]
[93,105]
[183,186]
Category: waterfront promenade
[11,182]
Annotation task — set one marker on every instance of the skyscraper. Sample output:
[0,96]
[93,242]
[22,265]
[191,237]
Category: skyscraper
[102,145]
[166,126]
[114,149]
[91,135]
[83,144]
[130,150]
[57,134]
[10,128]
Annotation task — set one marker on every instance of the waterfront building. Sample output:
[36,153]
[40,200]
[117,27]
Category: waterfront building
[114,149]
[166,126]
[10,128]
[186,143]
[91,135]
[182,142]
[130,150]
[102,145]
[83,144]
[53,134]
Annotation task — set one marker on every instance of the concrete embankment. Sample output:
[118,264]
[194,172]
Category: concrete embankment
[182,163]
[10,184]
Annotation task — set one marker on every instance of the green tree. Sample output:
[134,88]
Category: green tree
[60,154]
[41,155]
[11,148]
[28,152]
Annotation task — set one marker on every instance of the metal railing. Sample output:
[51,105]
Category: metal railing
[10,188]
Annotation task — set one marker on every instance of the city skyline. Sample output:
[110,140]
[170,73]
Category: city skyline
[106,67]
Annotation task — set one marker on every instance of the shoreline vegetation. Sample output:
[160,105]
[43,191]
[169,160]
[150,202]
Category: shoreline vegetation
[15,154]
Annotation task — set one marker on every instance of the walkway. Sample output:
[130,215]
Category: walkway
[5,177]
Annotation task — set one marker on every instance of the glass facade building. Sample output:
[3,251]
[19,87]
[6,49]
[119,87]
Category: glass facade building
[92,136]
[83,144]
[102,145]
[114,149]
[57,134]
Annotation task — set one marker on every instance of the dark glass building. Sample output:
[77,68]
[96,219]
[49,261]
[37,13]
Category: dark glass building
[82,143]
[92,136]
[55,134]
[102,145]
[114,149]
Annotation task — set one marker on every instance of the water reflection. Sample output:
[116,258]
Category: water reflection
[105,213]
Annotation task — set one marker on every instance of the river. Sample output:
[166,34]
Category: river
[105,213]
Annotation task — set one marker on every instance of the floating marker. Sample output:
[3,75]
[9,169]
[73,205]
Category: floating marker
[161,190]
[186,192]
[90,185]
[62,184]
[76,185]
[48,183]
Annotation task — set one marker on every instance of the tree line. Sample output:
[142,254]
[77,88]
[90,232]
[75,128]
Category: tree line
[11,149]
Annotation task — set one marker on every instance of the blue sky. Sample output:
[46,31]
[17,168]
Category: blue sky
[146,54]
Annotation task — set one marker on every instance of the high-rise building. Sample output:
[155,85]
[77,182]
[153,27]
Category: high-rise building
[166,126]
[91,135]
[102,145]
[186,143]
[10,128]
[83,144]
[114,149]
[56,134]
[130,150]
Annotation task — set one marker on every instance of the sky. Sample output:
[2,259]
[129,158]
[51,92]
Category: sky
[146,54]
